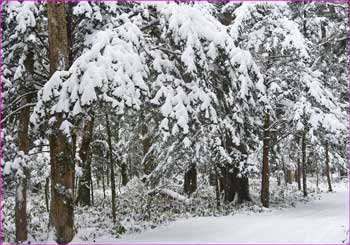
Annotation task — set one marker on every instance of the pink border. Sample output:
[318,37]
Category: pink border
[329,1]
[349,115]
[348,149]
[1,123]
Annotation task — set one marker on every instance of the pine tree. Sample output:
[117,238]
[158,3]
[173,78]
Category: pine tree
[61,149]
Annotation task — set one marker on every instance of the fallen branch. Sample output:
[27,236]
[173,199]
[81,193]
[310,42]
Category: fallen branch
[172,194]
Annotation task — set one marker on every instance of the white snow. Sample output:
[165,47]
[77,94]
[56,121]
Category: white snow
[320,221]
[174,195]
[24,13]
[66,127]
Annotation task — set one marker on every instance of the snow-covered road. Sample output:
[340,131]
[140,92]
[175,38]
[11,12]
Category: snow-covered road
[320,221]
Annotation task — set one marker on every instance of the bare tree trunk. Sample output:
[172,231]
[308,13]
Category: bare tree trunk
[299,174]
[91,183]
[303,147]
[61,154]
[148,164]
[47,184]
[108,174]
[234,185]
[317,175]
[103,184]
[265,168]
[230,187]
[328,169]
[243,191]
[84,153]
[124,173]
[190,180]
[289,176]
[22,182]
[62,174]
[98,179]
[110,154]
[217,188]
[303,151]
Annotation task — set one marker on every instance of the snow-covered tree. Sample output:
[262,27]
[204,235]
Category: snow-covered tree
[143,112]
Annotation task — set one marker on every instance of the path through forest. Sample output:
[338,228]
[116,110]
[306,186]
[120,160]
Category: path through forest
[319,221]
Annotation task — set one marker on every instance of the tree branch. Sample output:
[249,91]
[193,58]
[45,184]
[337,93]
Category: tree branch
[16,111]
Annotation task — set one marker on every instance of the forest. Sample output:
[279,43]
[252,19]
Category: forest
[174,122]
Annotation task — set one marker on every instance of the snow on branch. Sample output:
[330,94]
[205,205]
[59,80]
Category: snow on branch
[111,70]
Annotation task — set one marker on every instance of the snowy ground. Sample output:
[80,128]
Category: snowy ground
[321,221]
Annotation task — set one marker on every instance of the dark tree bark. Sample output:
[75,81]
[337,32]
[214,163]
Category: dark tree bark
[47,185]
[111,163]
[289,176]
[23,146]
[190,180]
[148,164]
[218,187]
[61,151]
[107,175]
[103,184]
[70,26]
[124,173]
[303,152]
[328,169]
[234,185]
[317,175]
[305,121]
[284,170]
[84,153]
[243,191]
[230,185]
[62,175]
[242,184]
[303,146]
[299,174]
[265,184]
[91,183]
[278,180]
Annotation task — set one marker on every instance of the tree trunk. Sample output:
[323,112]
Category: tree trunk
[299,174]
[284,170]
[62,176]
[91,183]
[110,154]
[278,180]
[190,180]
[289,176]
[328,169]
[230,187]
[108,174]
[218,188]
[47,185]
[61,154]
[303,150]
[234,185]
[304,130]
[243,191]
[317,175]
[22,182]
[124,174]
[148,164]
[103,185]
[84,153]
[265,168]
[98,179]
